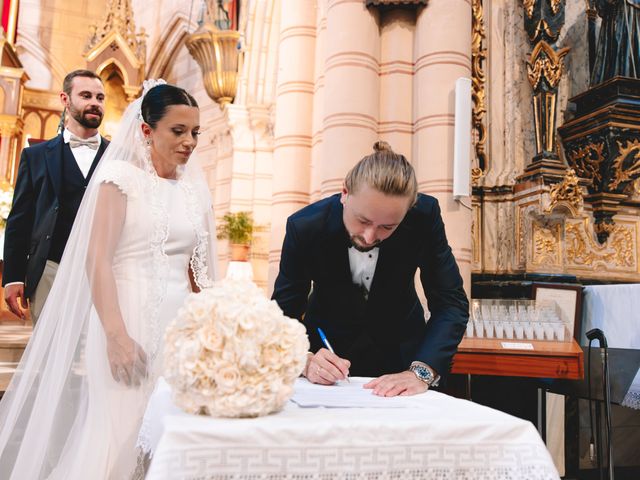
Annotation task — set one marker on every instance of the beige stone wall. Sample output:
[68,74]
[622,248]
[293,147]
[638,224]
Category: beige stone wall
[51,38]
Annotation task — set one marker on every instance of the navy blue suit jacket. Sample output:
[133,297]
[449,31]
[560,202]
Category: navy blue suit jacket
[387,331]
[34,212]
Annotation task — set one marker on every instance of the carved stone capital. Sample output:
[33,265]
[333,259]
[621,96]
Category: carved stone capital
[131,91]
[10,125]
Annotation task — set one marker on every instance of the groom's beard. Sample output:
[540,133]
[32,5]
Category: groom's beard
[359,244]
[82,116]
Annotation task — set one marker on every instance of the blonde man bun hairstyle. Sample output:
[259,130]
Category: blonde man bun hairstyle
[382,146]
[384,170]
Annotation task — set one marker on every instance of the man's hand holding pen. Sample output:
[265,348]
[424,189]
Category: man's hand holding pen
[326,368]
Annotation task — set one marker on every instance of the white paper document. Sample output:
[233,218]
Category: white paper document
[344,395]
[517,346]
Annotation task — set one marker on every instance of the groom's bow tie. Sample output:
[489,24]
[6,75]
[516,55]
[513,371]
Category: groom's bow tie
[93,143]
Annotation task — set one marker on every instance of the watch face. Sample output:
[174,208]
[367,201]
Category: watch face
[422,373]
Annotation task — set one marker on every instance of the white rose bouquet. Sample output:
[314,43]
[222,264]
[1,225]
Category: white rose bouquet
[231,352]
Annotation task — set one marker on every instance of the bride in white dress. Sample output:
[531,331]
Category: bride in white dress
[143,239]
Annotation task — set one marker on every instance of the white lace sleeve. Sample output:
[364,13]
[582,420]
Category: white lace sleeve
[122,174]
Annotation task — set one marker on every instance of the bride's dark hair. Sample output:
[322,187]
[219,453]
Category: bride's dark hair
[159,98]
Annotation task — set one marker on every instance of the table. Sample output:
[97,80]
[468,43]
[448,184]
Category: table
[487,356]
[434,436]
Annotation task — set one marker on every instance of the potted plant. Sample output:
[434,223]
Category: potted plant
[237,227]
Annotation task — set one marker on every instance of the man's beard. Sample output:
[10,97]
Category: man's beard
[359,247]
[82,118]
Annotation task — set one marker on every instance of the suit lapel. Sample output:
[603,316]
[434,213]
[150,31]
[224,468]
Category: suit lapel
[53,161]
[337,244]
[103,146]
[392,252]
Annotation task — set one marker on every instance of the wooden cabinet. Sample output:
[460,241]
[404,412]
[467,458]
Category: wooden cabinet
[502,357]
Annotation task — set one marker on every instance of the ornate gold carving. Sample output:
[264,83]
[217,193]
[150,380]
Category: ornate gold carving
[475,235]
[119,18]
[546,244]
[555,6]
[478,56]
[568,191]
[586,160]
[476,175]
[631,151]
[622,244]
[592,13]
[528,7]
[546,63]
[543,26]
[583,250]
[604,227]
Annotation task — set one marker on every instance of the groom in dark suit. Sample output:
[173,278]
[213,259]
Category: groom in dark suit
[348,266]
[52,178]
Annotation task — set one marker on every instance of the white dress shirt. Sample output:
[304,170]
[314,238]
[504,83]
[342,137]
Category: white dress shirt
[84,155]
[363,266]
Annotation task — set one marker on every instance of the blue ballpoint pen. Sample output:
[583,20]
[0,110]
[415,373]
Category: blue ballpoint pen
[324,339]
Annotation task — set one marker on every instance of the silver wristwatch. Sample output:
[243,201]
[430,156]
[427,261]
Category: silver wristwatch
[423,373]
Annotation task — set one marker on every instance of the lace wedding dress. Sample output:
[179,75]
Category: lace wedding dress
[63,415]
[106,446]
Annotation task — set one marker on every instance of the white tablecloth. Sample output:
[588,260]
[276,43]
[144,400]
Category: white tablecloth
[436,436]
[615,309]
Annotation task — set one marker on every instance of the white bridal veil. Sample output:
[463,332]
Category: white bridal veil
[52,397]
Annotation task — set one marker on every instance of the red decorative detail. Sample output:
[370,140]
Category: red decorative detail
[234,13]
[6,7]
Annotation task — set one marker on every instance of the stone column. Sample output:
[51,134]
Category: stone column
[351,91]
[442,54]
[396,77]
[317,143]
[294,104]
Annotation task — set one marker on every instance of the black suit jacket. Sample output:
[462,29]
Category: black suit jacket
[34,212]
[387,331]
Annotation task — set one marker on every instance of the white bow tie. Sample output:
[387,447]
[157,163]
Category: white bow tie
[93,143]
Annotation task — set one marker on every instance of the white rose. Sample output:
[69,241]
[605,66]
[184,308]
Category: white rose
[211,338]
[227,377]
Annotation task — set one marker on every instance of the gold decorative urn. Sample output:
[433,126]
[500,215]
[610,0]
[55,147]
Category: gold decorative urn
[217,52]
